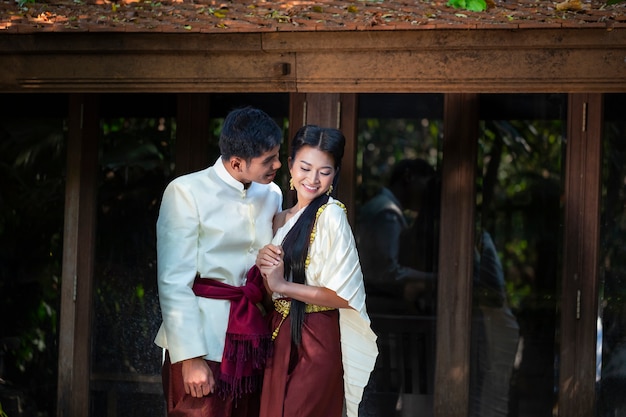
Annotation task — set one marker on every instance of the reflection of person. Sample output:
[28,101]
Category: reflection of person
[211,225]
[495,335]
[324,345]
[381,224]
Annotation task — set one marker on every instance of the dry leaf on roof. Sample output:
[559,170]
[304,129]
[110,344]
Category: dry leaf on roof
[569,5]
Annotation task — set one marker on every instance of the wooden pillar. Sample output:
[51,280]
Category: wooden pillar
[78,257]
[337,111]
[347,180]
[456,244]
[579,307]
[192,133]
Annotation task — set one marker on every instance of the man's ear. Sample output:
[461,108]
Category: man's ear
[236,163]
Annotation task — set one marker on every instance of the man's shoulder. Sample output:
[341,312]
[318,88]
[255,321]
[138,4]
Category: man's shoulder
[274,188]
[191,177]
[380,205]
[271,188]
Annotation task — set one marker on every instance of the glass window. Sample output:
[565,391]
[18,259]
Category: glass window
[33,140]
[514,352]
[136,162]
[611,340]
[398,159]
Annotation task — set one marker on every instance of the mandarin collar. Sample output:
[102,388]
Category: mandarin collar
[225,176]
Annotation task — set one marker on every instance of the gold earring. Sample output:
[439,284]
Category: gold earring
[291,184]
[330,190]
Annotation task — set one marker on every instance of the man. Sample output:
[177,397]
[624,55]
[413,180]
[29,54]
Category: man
[381,224]
[211,225]
[385,224]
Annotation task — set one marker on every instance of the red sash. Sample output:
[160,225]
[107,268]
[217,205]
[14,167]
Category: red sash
[248,339]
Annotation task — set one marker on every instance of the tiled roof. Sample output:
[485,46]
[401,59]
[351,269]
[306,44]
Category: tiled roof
[206,16]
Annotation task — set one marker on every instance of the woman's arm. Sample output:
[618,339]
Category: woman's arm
[274,280]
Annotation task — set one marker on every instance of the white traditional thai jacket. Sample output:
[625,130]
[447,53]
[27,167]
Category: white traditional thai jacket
[210,226]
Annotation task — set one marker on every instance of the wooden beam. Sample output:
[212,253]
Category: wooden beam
[579,307]
[505,61]
[454,281]
[78,257]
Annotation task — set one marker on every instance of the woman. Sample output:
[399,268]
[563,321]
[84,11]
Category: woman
[323,344]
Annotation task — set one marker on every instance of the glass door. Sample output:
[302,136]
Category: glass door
[611,323]
[517,268]
[398,160]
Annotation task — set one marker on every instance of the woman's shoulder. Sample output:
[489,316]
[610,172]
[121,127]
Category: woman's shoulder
[333,212]
[279,220]
[334,206]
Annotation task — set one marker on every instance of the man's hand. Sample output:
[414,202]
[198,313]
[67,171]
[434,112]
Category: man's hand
[198,377]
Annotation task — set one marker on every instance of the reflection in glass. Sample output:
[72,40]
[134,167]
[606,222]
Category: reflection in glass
[611,373]
[514,318]
[397,222]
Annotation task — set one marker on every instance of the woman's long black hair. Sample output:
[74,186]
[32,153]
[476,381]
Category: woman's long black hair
[296,242]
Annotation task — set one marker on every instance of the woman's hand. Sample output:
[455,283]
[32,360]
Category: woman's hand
[269,255]
[274,275]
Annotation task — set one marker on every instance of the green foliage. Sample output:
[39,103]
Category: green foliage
[471,5]
[519,203]
[383,142]
[609,2]
[2,413]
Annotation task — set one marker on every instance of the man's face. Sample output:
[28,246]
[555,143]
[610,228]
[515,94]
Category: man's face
[261,169]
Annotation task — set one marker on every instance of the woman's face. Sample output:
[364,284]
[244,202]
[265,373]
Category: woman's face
[312,172]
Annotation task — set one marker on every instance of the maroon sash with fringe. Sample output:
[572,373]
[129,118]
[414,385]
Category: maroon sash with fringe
[248,339]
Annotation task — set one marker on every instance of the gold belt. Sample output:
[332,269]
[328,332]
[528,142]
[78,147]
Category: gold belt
[283,306]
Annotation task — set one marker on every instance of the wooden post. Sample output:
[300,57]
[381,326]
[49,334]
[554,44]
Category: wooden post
[337,111]
[78,257]
[579,307]
[456,245]
[192,133]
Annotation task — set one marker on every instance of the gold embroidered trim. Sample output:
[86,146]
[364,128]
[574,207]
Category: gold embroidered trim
[314,230]
[283,307]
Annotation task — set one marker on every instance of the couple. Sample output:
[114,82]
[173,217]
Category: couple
[224,249]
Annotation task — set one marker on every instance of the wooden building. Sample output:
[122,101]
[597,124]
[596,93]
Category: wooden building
[340,64]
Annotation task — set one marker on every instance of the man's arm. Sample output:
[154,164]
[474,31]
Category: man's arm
[177,237]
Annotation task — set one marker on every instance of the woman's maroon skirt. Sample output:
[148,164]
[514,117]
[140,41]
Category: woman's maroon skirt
[312,386]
